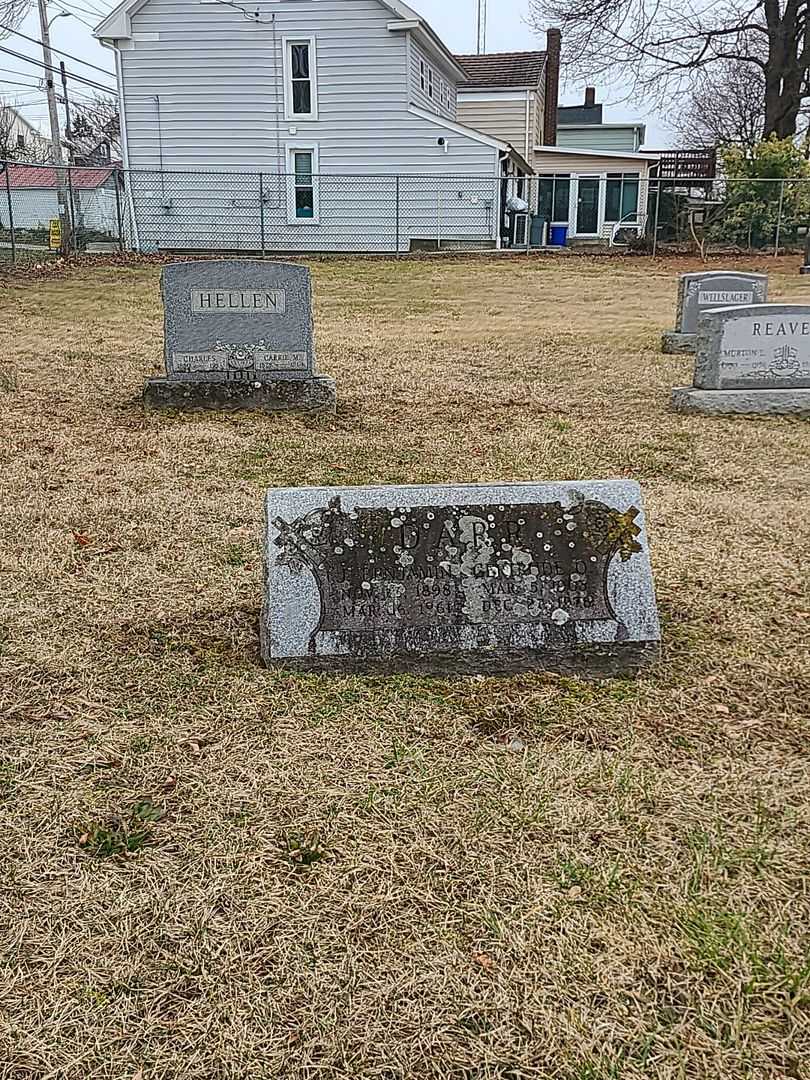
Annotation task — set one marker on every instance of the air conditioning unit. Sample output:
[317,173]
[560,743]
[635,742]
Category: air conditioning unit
[520,231]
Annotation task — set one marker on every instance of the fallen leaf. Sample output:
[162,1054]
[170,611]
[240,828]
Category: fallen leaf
[84,839]
[81,539]
[575,892]
[485,961]
[724,709]
[169,784]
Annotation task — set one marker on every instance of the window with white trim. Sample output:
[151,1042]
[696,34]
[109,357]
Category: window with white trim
[422,75]
[300,84]
[430,83]
[303,202]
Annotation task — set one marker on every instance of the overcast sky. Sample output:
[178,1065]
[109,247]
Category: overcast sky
[454,21]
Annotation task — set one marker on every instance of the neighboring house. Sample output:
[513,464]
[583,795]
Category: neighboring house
[34,198]
[513,94]
[592,192]
[583,128]
[312,109]
[19,139]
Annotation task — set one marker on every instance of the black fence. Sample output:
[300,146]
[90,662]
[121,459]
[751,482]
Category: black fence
[47,210]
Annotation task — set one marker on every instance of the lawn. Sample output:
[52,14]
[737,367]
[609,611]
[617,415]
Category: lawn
[209,870]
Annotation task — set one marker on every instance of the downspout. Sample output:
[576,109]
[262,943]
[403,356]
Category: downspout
[528,122]
[122,120]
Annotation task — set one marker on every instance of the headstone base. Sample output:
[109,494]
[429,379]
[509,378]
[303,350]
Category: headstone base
[609,660]
[688,399]
[673,342]
[276,395]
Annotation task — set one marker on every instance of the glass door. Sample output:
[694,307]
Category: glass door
[588,206]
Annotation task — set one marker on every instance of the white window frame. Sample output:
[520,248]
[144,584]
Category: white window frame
[303,148]
[423,76]
[287,43]
[430,81]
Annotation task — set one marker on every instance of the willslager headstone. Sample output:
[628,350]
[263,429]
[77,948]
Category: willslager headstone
[442,580]
[707,290]
[239,335]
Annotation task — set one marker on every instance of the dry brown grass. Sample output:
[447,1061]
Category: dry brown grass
[396,879]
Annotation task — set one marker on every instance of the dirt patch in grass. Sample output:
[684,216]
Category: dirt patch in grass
[211,870]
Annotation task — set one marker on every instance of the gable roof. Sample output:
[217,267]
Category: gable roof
[513,69]
[39,176]
[117,25]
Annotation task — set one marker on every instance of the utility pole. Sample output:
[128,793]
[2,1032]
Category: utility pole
[482,26]
[68,129]
[53,116]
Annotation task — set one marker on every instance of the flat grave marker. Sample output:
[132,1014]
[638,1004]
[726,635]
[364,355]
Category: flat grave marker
[239,335]
[459,579]
[753,359]
[704,291]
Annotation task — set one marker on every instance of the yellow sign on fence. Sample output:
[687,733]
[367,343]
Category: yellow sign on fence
[55,235]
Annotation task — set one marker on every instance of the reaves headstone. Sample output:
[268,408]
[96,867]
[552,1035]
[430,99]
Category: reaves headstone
[707,290]
[463,579]
[239,335]
[753,359]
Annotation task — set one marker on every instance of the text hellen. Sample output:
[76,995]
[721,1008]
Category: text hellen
[241,301]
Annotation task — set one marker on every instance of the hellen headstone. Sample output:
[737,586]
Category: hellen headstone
[753,359]
[704,291]
[459,579]
[239,335]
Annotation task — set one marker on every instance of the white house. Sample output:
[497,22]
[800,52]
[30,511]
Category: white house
[33,192]
[300,125]
[21,140]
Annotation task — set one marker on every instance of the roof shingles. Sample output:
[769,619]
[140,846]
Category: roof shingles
[514,69]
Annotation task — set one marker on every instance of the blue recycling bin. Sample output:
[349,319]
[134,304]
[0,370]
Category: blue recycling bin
[558,235]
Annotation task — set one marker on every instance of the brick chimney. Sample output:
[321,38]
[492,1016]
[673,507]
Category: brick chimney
[590,97]
[553,49]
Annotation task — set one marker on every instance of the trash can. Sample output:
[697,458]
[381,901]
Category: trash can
[558,235]
[537,234]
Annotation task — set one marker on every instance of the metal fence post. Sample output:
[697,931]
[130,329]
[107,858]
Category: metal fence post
[657,216]
[396,249]
[72,222]
[261,211]
[779,218]
[10,215]
[119,179]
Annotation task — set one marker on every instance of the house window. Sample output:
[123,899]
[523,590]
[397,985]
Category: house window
[303,203]
[554,198]
[621,196]
[430,83]
[20,141]
[301,93]
[422,75]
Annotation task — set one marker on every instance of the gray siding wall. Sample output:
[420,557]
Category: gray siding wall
[421,97]
[204,89]
[609,138]
[204,92]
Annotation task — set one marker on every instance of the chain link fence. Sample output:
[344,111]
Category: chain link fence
[45,210]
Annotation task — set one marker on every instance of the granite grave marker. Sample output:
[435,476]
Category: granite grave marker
[462,579]
[239,335]
[707,290]
[753,359]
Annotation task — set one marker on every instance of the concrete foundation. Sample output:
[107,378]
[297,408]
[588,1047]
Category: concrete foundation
[316,394]
[688,399]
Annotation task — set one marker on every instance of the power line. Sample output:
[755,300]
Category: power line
[84,10]
[74,15]
[70,56]
[10,82]
[49,67]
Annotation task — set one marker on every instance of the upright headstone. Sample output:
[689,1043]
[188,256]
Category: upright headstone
[239,335]
[462,579]
[752,359]
[707,290]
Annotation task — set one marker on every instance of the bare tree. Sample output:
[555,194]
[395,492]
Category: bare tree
[12,13]
[726,107]
[657,46]
[95,130]
[31,147]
